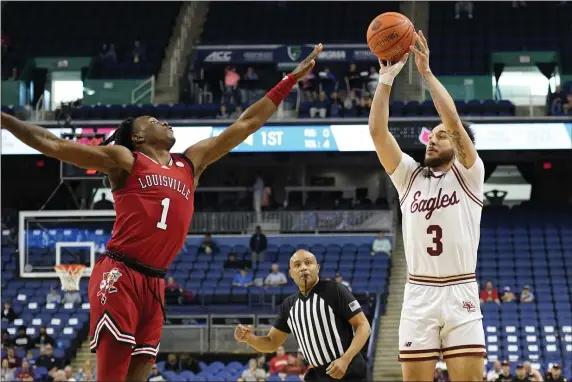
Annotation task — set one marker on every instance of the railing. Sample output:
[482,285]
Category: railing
[189,13]
[294,221]
[374,330]
[147,87]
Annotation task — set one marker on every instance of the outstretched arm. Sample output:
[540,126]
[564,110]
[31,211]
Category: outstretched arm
[209,150]
[101,158]
[466,151]
[386,146]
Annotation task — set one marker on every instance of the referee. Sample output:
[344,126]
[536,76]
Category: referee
[323,318]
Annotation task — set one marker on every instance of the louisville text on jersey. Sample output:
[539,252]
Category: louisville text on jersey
[430,205]
[165,181]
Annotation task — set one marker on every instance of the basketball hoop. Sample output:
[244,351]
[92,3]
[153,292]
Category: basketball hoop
[70,274]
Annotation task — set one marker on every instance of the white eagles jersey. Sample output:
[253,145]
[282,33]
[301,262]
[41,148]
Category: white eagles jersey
[441,217]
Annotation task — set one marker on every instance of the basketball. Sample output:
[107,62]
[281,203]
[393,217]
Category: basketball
[389,36]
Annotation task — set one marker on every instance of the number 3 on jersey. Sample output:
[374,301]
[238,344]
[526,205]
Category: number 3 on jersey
[437,233]
[162,224]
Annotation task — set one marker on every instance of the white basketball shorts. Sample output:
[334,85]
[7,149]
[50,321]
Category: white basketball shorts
[441,315]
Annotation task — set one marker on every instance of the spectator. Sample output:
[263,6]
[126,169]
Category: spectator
[13,360]
[261,363]
[554,374]
[233,263]
[319,106]
[353,80]
[350,104]
[173,292]
[533,374]
[251,85]
[223,113]
[6,340]
[72,297]
[295,365]
[308,86]
[30,359]
[25,372]
[275,277]
[69,374]
[7,373]
[381,245]
[364,106]
[526,295]
[507,295]
[372,79]
[231,80]
[189,363]
[505,375]
[46,358]
[243,279]
[86,372]
[138,52]
[567,107]
[53,297]
[237,112]
[23,340]
[60,376]
[102,52]
[155,375]
[339,279]
[495,372]
[258,245]
[336,106]
[253,372]
[489,293]
[43,338]
[279,361]
[208,245]
[520,374]
[327,80]
[464,6]
[172,363]
[8,313]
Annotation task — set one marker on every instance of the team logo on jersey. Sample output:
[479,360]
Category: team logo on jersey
[180,164]
[469,306]
[430,205]
[424,136]
[107,285]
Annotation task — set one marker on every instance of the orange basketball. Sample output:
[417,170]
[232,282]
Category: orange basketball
[389,36]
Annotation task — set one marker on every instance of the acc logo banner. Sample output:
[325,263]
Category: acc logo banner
[219,56]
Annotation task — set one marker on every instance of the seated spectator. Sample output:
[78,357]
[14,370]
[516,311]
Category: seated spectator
[336,106]
[327,80]
[46,358]
[155,375]
[59,376]
[533,374]
[381,245]
[507,295]
[8,313]
[223,113]
[567,107]
[25,372]
[187,362]
[138,53]
[172,363]
[253,372]
[340,280]
[43,338]
[489,293]
[261,362]
[526,295]
[350,104]
[243,279]
[554,374]
[295,365]
[237,112]
[208,245]
[504,375]
[353,79]
[53,297]
[233,263]
[86,372]
[6,340]
[494,373]
[72,297]
[23,341]
[521,374]
[319,106]
[173,292]
[364,106]
[275,277]
[279,361]
[13,360]
[7,373]
[231,80]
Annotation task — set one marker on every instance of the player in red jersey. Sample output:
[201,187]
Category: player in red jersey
[153,191]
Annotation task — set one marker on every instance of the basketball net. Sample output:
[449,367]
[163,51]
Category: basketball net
[70,274]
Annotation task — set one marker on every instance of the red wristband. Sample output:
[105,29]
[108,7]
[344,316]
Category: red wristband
[282,89]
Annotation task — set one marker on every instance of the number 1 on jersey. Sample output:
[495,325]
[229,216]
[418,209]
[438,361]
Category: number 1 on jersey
[437,233]
[162,224]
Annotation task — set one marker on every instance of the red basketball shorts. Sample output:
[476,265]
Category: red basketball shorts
[125,304]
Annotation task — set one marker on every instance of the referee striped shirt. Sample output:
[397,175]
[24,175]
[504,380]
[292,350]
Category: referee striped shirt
[320,321]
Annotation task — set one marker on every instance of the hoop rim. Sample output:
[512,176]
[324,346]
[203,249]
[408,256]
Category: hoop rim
[69,267]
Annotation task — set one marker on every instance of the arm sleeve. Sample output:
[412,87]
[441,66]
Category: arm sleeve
[403,173]
[346,304]
[281,322]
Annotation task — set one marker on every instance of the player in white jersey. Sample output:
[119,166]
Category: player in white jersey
[441,203]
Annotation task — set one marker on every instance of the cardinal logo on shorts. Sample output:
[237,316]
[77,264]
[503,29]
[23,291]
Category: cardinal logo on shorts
[469,306]
[107,285]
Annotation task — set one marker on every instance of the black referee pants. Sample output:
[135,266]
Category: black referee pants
[357,372]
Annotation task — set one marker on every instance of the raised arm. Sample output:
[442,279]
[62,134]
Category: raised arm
[101,158]
[386,146]
[466,151]
[203,153]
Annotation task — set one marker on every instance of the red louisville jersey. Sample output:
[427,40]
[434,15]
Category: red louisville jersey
[154,210]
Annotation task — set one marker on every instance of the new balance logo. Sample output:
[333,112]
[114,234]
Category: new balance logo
[407,344]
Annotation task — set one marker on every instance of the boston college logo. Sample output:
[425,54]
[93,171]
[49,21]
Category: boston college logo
[107,285]
[469,306]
